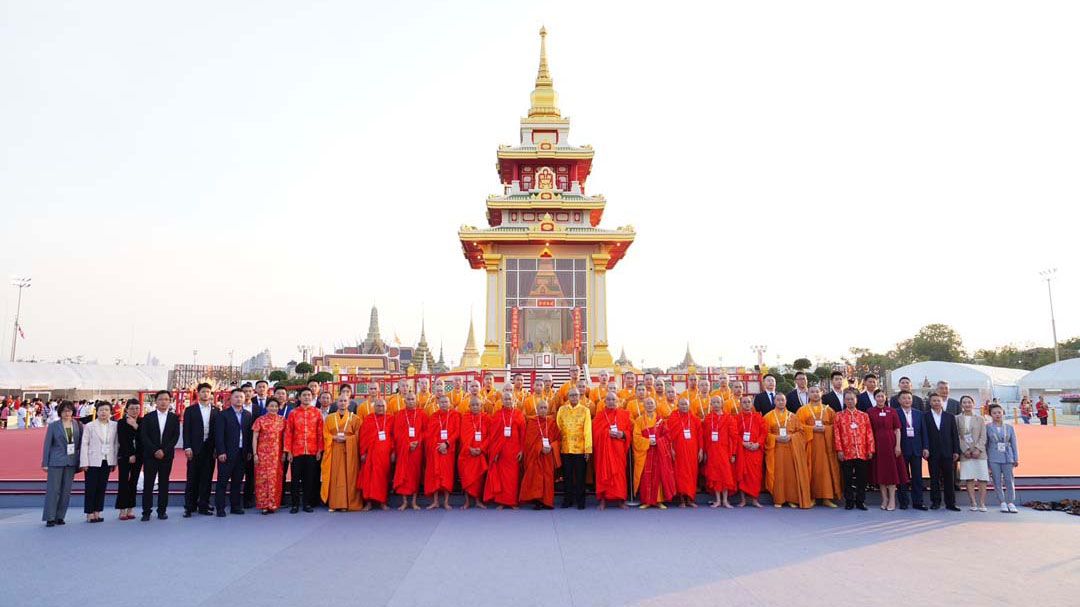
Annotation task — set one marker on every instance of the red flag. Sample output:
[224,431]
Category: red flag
[21,334]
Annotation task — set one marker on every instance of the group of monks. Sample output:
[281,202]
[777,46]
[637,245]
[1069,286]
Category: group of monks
[509,447]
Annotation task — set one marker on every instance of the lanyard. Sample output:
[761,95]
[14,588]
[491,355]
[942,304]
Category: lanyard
[443,420]
[348,418]
[745,425]
[409,421]
[544,432]
[506,422]
[820,418]
[607,418]
[478,423]
[1004,434]
[377,423]
[786,417]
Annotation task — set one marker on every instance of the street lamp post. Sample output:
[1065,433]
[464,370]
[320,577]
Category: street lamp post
[1048,275]
[20,283]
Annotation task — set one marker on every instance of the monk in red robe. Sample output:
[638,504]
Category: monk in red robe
[440,438]
[612,433]
[542,441]
[376,455]
[408,436]
[505,451]
[684,432]
[472,456]
[718,430]
[750,437]
[657,481]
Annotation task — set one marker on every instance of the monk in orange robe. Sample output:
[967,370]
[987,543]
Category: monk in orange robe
[718,431]
[732,405]
[599,392]
[366,407]
[520,393]
[457,396]
[723,390]
[612,434]
[474,391]
[341,458]
[787,471]
[751,437]
[542,441]
[699,407]
[562,394]
[635,405]
[542,391]
[691,393]
[651,388]
[432,404]
[425,398]
[472,455]
[408,436]
[684,431]
[668,404]
[440,440]
[490,394]
[376,456]
[396,402]
[528,404]
[505,452]
[655,479]
[817,421]
[629,386]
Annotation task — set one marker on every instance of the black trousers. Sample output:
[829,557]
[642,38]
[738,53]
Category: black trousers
[249,483]
[913,465]
[230,479]
[127,480]
[305,480]
[574,478]
[97,478]
[853,471]
[942,478]
[284,475]
[200,470]
[156,470]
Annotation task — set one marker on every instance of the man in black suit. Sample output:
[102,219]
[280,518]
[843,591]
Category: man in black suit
[951,405]
[917,403]
[801,394]
[866,397]
[200,421]
[159,431]
[942,454]
[255,403]
[232,441]
[835,396]
[764,400]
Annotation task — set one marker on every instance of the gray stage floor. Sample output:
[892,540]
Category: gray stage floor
[561,557]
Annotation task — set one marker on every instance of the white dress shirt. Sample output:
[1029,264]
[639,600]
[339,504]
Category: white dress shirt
[161,417]
[937,418]
[204,410]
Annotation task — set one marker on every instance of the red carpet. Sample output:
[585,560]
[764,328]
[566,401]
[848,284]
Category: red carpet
[20,457]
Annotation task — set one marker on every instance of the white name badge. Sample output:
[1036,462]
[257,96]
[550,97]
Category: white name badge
[715,436]
[1002,447]
[476,436]
[71,448]
[506,431]
[412,432]
[341,435]
[652,440]
[382,435]
[967,438]
[443,435]
[910,431]
[818,423]
[854,425]
[686,433]
[783,432]
[547,443]
[745,437]
[613,428]
[882,414]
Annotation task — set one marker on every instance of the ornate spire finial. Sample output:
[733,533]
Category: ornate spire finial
[543,96]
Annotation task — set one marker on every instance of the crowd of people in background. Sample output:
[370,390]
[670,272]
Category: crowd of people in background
[815,445]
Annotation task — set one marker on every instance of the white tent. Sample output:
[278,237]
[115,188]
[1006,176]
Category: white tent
[978,381]
[28,376]
[1054,381]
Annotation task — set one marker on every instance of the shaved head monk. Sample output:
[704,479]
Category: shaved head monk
[542,459]
[472,456]
[376,456]
[440,443]
[409,426]
[611,442]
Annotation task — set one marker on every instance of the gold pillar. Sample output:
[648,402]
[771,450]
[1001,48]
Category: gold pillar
[492,358]
[600,357]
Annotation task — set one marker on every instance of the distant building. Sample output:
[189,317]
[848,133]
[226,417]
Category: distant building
[259,364]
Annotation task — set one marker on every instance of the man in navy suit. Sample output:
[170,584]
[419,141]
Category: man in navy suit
[763,401]
[942,453]
[917,403]
[866,397]
[255,402]
[200,421]
[835,397]
[232,441]
[913,443]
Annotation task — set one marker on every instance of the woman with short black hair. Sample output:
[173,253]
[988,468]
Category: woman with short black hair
[60,460]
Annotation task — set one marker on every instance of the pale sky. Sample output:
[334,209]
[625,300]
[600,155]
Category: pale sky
[806,175]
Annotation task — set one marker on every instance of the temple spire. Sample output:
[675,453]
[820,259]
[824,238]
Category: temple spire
[543,97]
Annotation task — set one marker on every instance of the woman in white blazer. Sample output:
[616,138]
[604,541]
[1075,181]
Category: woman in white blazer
[97,458]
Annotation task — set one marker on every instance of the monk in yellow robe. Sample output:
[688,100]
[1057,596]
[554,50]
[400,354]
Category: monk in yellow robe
[650,388]
[598,393]
[817,421]
[520,393]
[490,394]
[723,390]
[396,402]
[645,437]
[533,399]
[732,405]
[703,405]
[432,405]
[425,399]
[457,395]
[669,404]
[691,393]
[474,391]
[787,471]
[366,407]
[629,386]
[341,458]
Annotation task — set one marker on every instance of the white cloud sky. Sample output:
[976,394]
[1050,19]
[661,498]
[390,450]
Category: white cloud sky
[807,175]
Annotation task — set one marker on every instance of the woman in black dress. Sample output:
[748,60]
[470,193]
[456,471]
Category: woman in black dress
[128,459]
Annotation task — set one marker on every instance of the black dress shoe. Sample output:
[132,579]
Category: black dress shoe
[187,514]
[145,517]
[207,512]
[935,506]
[849,505]
[237,511]
[308,509]
[59,521]
[952,508]
[50,523]
[294,510]
[904,507]
[860,506]
[221,514]
[162,516]
[920,507]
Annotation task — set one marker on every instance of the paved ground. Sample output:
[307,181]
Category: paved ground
[698,557]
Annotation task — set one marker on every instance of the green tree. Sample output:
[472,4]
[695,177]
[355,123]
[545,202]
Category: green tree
[823,372]
[278,376]
[322,377]
[932,342]
[304,368]
[802,364]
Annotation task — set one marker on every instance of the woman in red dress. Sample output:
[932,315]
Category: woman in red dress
[887,468]
[266,434]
